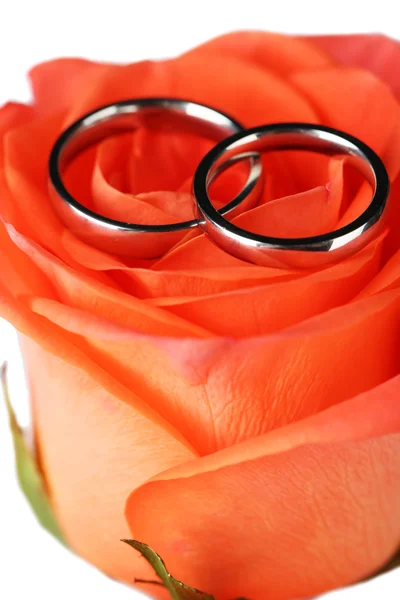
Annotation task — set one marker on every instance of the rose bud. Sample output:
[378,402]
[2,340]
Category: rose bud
[241,420]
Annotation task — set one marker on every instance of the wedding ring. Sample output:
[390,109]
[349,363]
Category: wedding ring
[130,239]
[306,252]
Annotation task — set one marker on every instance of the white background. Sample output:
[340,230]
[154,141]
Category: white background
[31,563]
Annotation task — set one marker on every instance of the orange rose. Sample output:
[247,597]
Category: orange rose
[241,420]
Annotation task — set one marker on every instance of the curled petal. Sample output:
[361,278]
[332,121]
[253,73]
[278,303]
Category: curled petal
[290,514]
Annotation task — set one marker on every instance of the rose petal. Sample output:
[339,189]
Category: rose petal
[147,283]
[273,306]
[142,209]
[117,196]
[308,213]
[109,447]
[19,274]
[142,281]
[272,51]
[276,100]
[57,83]
[349,421]
[295,373]
[99,298]
[387,278]
[303,214]
[377,53]
[292,514]
[362,99]
[97,260]
[24,179]
[163,160]
[14,114]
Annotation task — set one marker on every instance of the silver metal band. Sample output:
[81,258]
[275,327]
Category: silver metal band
[130,239]
[305,252]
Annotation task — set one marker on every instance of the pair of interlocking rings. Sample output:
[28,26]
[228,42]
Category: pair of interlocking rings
[234,143]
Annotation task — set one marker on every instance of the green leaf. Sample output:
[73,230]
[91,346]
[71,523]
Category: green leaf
[177,589]
[29,475]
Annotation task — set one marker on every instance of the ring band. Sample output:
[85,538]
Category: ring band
[304,252]
[131,239]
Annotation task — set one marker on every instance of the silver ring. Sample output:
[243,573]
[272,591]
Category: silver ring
[304,252]
[130,239]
